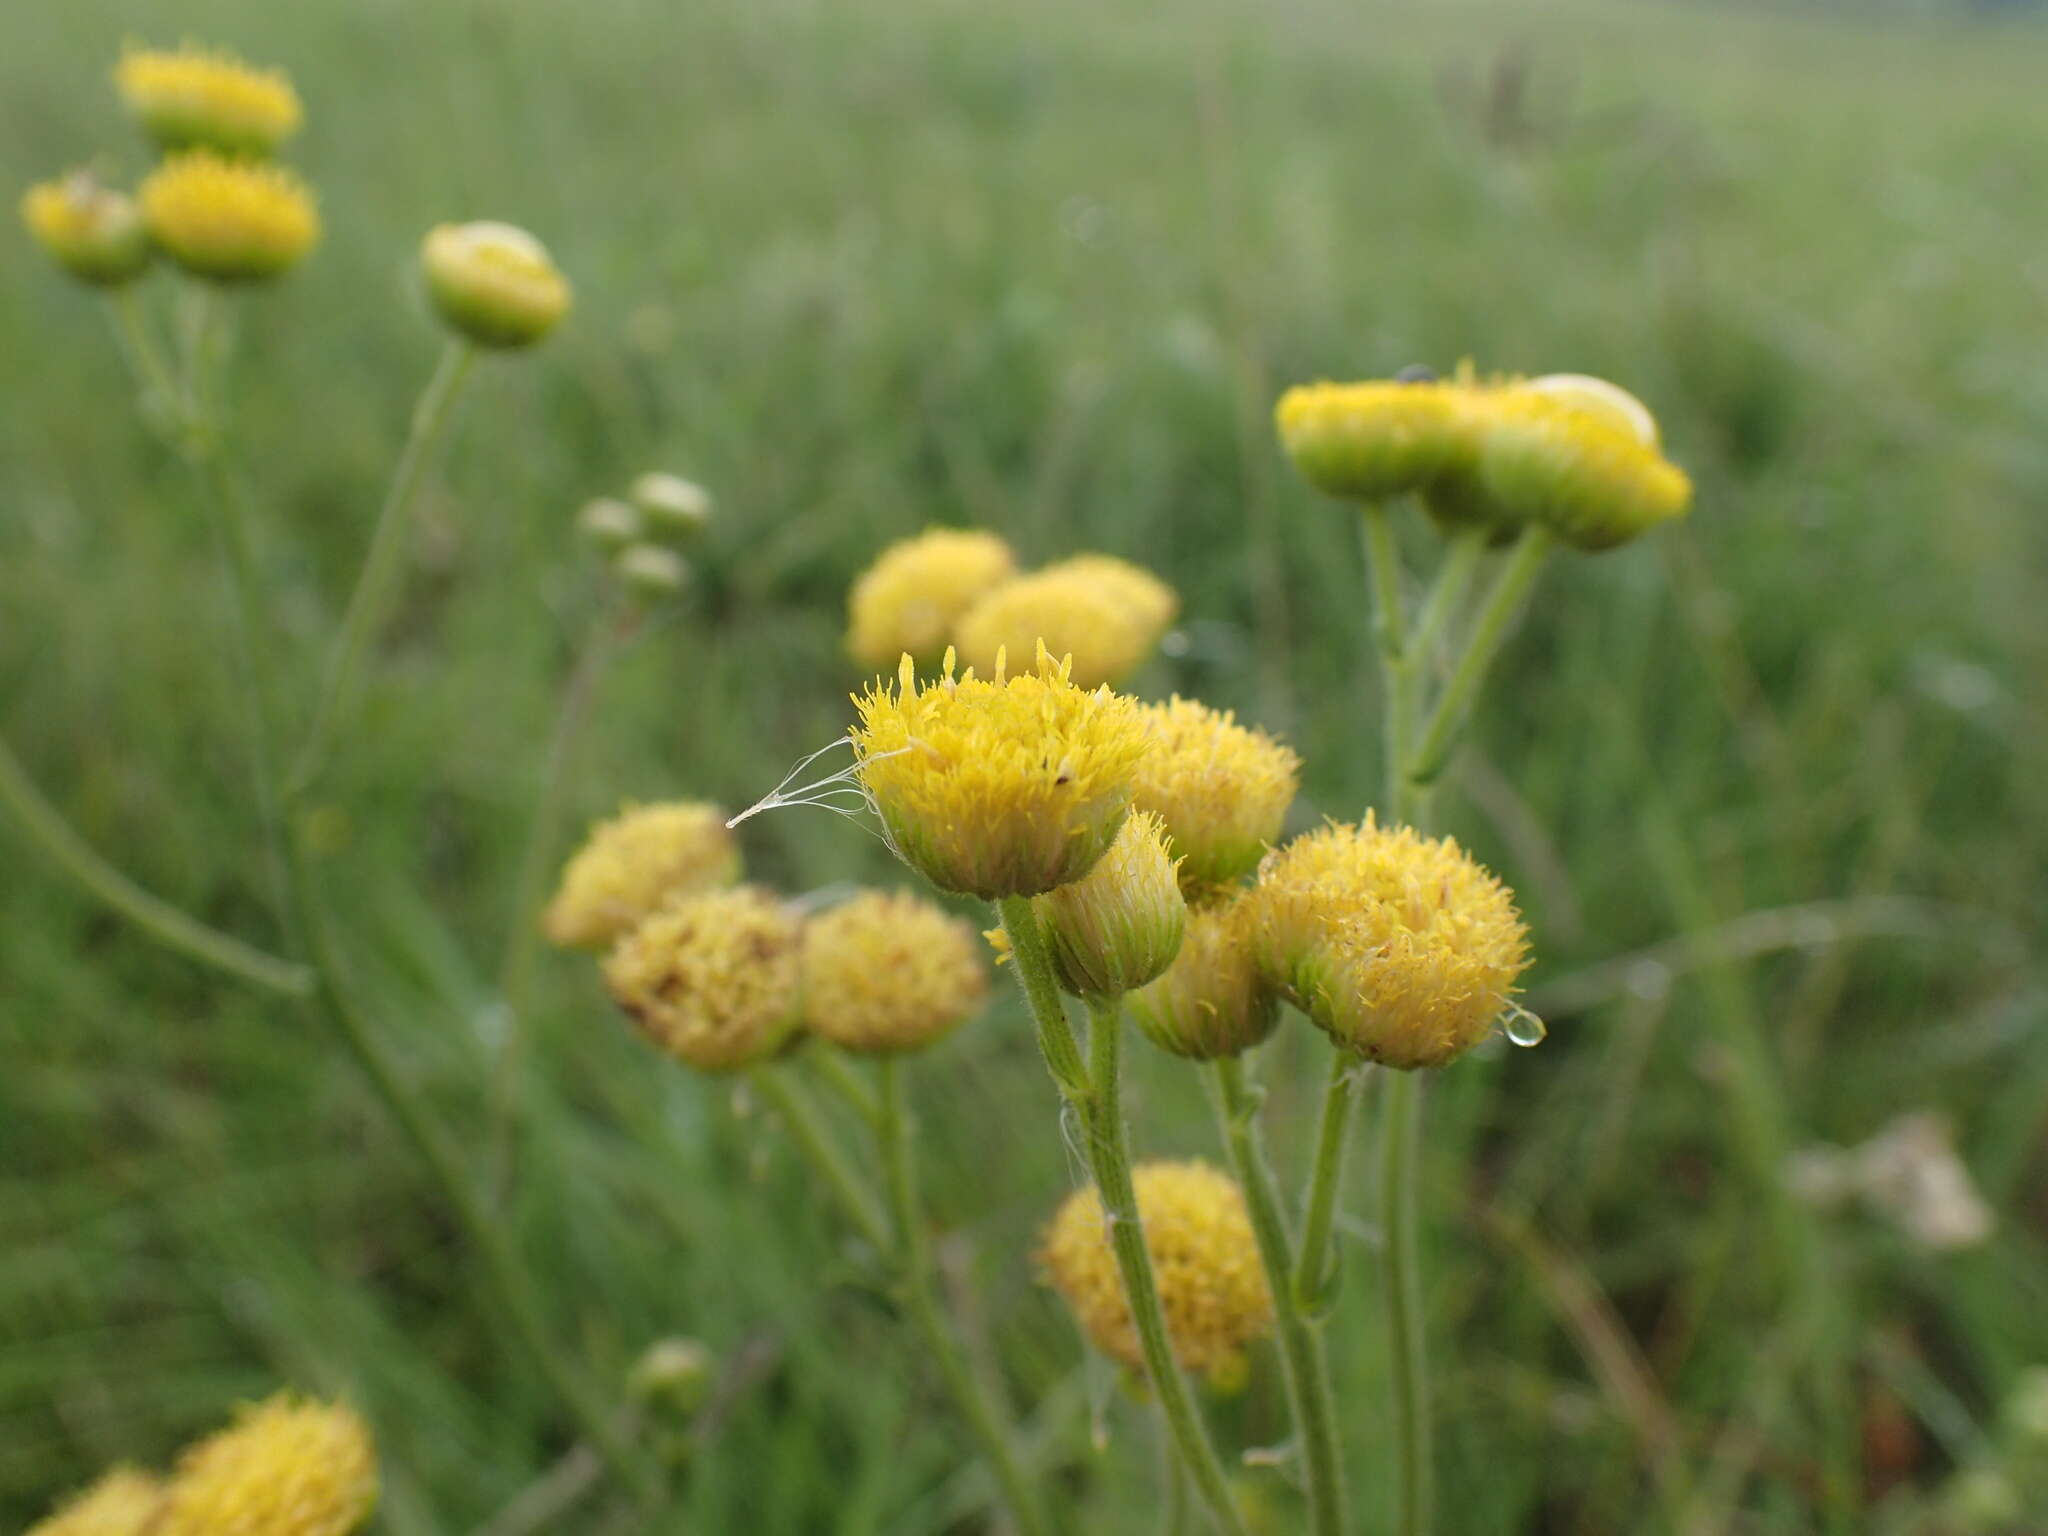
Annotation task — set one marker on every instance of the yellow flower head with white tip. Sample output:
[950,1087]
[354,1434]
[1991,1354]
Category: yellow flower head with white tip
[908,601]
[229,220]
[121,1503]
[1580,465]
[287,1467]
[999,786]
[201,98]
[1398,946]
[1222,789]
[713,978]
[94,232]
[1205,1260]
[888,971]
[494,283]
[632,863]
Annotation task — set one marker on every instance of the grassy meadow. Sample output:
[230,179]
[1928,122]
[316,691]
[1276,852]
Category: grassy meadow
[1772,786]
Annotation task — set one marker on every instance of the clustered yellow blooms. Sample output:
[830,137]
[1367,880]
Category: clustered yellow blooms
[494,283]
[632,863]
[1004,786]
[714,978]
[230,220]
[94,232]
[288,1466]
[1573,454]
[1222,789]
[1119,925]
[1204,1257]
[1400,947]
[887,971]
[908,601]
[198,98]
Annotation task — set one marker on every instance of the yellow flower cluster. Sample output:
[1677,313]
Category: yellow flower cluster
[198,98]
[714,978]
[1204,1257]
[286,1467]
[1400,947]
[1005,786]
[228,219]
[1577,455]
[634,862]
[886,971]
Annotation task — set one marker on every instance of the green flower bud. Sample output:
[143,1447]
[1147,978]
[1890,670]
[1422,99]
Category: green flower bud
[1121,924]
[652,573]
[609,523]
[674,509]
[494,283]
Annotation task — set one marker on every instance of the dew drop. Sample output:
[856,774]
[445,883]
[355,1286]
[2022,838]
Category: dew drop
[1523,1027]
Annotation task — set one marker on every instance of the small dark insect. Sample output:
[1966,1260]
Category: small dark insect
[1416,373]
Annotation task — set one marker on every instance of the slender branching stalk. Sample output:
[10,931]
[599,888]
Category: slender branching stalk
[1315,1266]
[800,1117]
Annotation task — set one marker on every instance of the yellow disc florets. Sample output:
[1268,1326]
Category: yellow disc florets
[908,601]
[197,98]
[1222,789]
[288,1467]
[1212,1001]
[1204,1258]
[1109,621]
[888,971]
[632,863]
[121,1503]
[1369,441]
[713,978]
[94,232]
[1578,466]
[230,220]
[1119,925]
[494,283]
[1399,946]
[1004,786]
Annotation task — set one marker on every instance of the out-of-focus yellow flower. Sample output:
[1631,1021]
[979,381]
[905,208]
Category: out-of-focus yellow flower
[94,232]
[1212,1001]
[713,977]
[1372,440]
[908,601]
[888,971]
[1107,624]
[1004,786]
[121,1503]
[230,220]
[1400,947]
[1222,789]
[493,283]
[1604,399]
[1582,469]
[1119,925]
[1149,601]
[287,1467]
[200,98]
[629,865]
[1204,1258]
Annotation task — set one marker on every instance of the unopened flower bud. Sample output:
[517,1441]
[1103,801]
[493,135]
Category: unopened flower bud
[1121,924]
[1211,1001]
[94,232]
[673,1377]
[494,283]
[609,523]
[652,572]
[1586,473]
[673,508]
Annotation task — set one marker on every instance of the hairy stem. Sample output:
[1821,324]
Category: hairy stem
[1400,1127]
[1314,1265]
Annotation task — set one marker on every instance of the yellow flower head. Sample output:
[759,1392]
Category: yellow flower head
[95,233]
[1149,601]
[713,977]
[1204,1257]
[1585,471]
[286,1467]
[1108,627]
[1368,441]
[1119,925]
[121,1503]
[196,98]
[888,971]
[1222,789]
[1212,1001]
[493,283]
[230,220]
[1399,946]
[632,863]
[1005,786]
[907,602]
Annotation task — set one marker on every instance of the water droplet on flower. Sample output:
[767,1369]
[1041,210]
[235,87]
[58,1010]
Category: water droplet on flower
[1523,1027]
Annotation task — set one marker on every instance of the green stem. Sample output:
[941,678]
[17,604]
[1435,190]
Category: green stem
[840,1077]
[1033,962]
[156,917]
[1400,672]
[503,1268]
[380,566]
[1489,630]
[158,391]
[893,1128]
[1314,1265]
[1461,560]
[1401,1121]
[1303,1367]
[807,1129]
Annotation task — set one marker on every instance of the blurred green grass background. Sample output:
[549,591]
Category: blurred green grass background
[1043,268]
